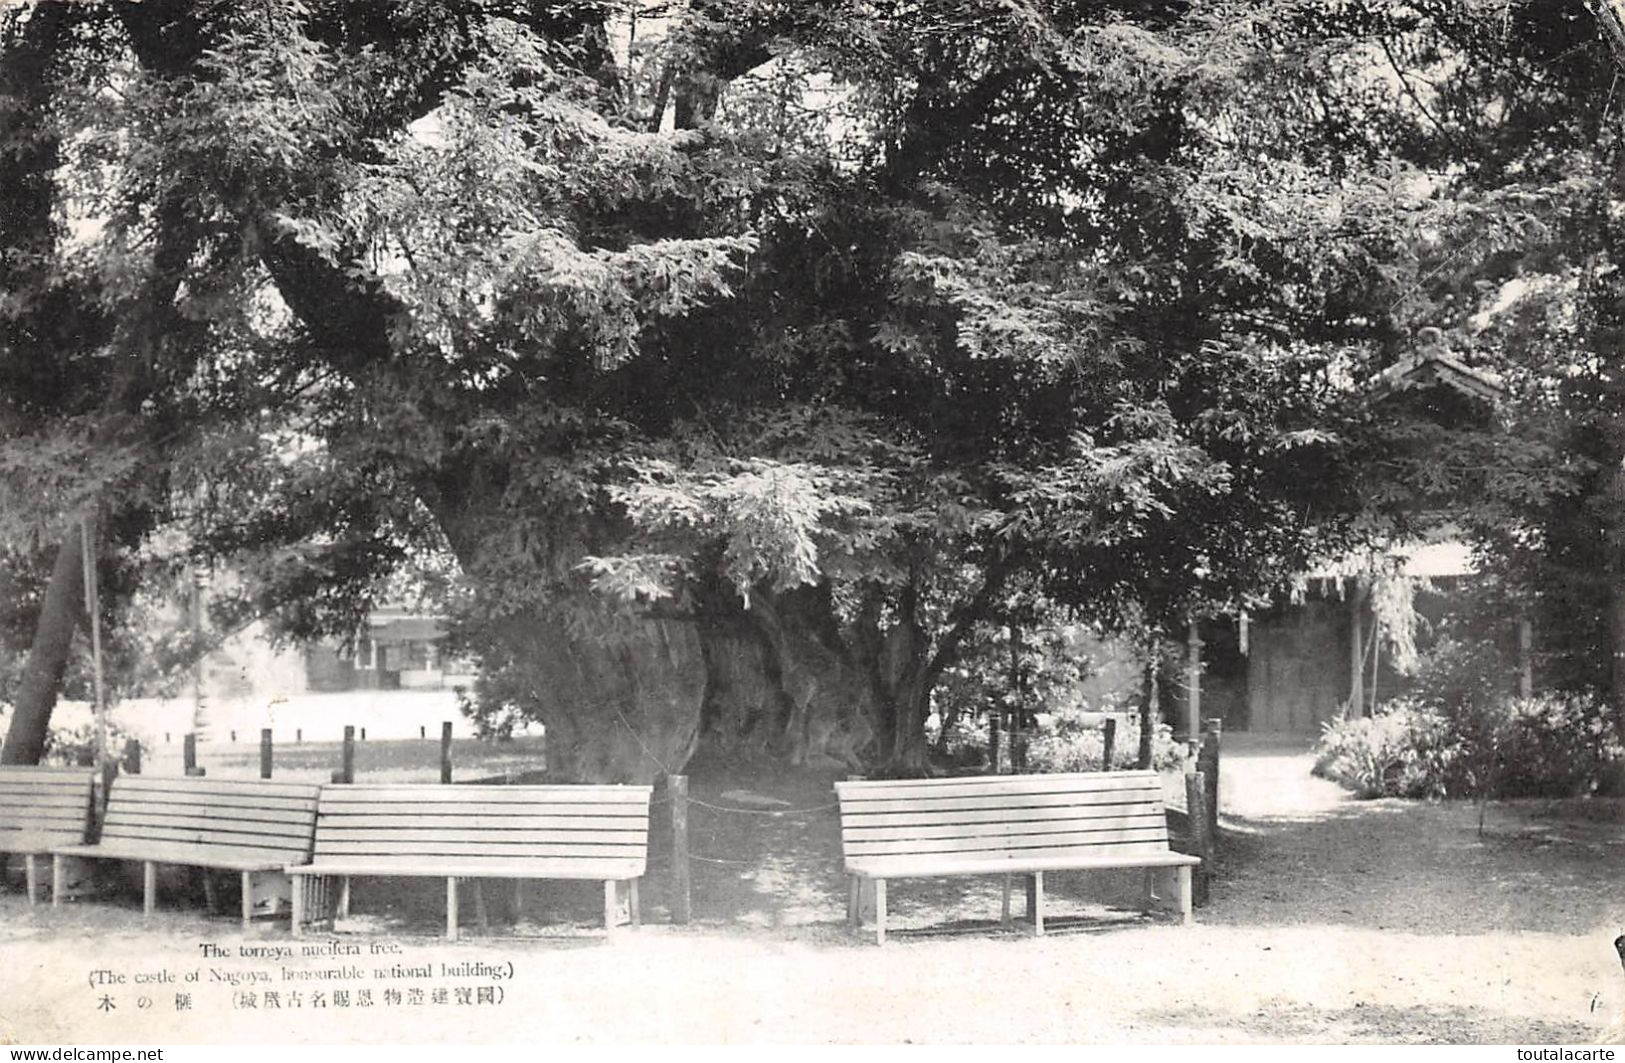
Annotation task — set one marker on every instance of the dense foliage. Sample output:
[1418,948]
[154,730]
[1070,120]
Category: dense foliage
[748,359]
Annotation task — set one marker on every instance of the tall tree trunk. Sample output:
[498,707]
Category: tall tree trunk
[1616,644]
[48,656]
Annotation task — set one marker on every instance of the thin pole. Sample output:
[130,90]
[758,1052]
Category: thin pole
[93,607]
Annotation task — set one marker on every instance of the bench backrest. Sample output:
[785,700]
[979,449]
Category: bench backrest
[43,807]
[242,818]
[1003,817]
[416,824]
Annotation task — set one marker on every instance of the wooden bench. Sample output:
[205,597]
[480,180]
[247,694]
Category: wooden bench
[457,832]
[41,808]
[241,825]
[1010,825]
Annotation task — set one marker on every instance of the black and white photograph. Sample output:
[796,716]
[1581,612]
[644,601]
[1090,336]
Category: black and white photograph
[812,522]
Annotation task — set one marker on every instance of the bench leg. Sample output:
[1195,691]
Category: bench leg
[481,916]
[211,899]
[248,900]
[59,876]
[451,908]
[880,911]
[518,900]
[854,917]
[149,887]
[31,871]
[298,895]
[1037,903]
[632,903]
[344,898]
[610,905]
[1185,896]
[1004,910]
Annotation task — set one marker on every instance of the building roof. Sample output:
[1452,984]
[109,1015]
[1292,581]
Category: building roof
[391,629]
[1432,364]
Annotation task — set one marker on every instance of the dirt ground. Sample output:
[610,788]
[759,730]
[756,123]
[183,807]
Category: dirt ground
[1330,921]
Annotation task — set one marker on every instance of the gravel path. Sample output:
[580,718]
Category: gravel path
[1331,921]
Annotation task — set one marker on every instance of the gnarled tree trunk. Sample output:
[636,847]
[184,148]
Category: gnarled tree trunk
[48,656]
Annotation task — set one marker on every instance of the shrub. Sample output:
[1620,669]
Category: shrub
[1550,745]
[1553,745]
[1406,750]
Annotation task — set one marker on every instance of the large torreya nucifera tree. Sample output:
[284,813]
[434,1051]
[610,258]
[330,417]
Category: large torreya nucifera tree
[741,356]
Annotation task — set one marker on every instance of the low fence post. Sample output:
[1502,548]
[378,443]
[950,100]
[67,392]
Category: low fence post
[682,909]
[445,751]
[189,755]
[1201,836]
[265,752]
[1108,743]
[346,772]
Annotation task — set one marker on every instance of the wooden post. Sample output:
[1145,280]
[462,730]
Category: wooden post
[1193,678]
[265,752]
[423,732]
[132,756]
[1108,743]
[1526,657]
[1201,839]
[189,755]
[681,883]
[347,761]
[1207,763]
[298,734]
[445,751]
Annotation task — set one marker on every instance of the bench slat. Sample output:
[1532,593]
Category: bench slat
[75,813]
[194,836]
[937,867]
[477,849]
[220,856]
[38,841]
[228,788]
[961,803]
[214,801]
[872,820]
[229,818]
[497,867]
[1012,842]
[1149,819]
[417,796]
[485,819]
[583,833]
[1079,782]
[23,790]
